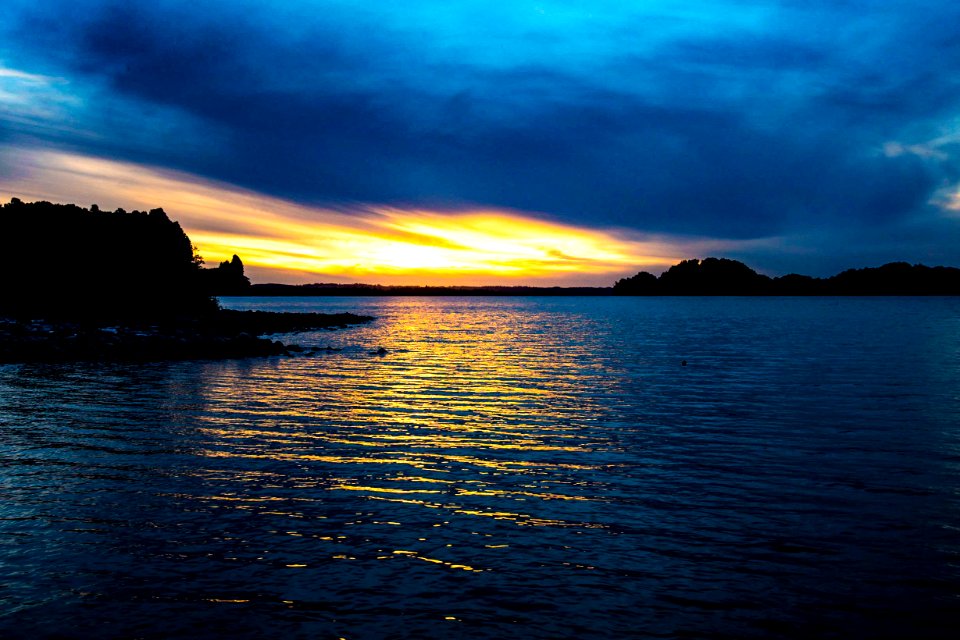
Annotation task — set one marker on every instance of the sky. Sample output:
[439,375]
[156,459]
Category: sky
[479,142]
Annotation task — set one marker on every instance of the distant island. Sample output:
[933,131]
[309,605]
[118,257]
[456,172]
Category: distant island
[86,284]
[724,277]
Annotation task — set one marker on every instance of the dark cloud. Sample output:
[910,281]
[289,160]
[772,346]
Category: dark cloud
[764,125]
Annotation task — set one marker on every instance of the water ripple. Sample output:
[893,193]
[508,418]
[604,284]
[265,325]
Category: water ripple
[509,467]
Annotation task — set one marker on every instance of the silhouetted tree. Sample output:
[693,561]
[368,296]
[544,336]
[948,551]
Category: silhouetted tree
[642,284]
[66,261]
[713,276]
[895,278]
[227,279]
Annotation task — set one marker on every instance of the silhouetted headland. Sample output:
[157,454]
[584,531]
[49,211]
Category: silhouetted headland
[86,284]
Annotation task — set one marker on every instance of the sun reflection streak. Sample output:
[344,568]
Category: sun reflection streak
[482,429]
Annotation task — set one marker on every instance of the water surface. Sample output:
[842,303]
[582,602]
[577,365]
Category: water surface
[512,467]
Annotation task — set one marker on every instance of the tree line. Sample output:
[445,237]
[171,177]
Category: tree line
[722,276]
[62,260]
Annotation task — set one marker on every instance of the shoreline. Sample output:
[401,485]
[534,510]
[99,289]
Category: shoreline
[226,334]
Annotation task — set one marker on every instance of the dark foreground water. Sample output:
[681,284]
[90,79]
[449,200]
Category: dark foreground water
[511,468]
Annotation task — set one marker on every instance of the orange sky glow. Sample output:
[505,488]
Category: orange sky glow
[281,241]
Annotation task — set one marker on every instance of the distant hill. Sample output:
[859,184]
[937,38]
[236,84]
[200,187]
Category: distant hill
[721,276]
[70,262]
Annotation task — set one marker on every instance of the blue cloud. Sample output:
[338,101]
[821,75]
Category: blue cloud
[724,119]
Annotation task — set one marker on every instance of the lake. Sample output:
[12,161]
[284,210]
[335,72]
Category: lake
[510,467]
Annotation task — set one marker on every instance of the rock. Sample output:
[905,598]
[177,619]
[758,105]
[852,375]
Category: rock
[230,335]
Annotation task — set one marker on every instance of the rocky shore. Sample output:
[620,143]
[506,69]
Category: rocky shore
[225,334]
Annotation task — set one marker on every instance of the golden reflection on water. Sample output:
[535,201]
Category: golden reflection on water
[417,556]
[484,419]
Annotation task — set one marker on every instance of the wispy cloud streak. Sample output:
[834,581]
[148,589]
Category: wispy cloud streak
[372,243]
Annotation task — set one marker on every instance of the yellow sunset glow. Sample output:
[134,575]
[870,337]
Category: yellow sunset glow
[425,243]
[369,243]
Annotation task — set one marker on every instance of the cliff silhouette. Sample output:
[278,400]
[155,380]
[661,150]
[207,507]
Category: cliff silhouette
[725,277]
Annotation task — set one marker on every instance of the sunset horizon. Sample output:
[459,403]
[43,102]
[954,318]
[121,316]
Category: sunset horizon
[286,242]
[535,143]
[447,319]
